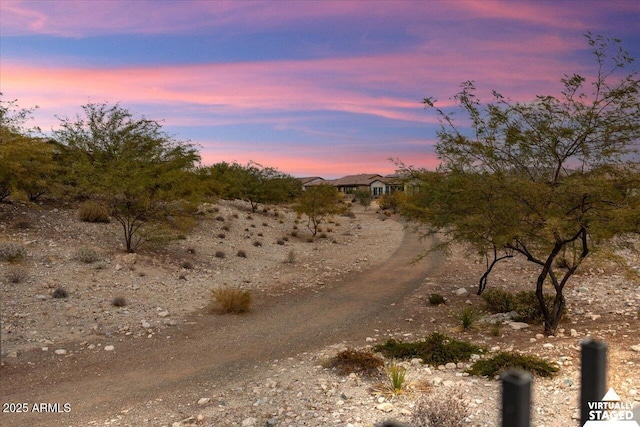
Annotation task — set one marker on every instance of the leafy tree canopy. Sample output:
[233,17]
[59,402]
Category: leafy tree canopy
[143,174]
[549,180]
[318,202]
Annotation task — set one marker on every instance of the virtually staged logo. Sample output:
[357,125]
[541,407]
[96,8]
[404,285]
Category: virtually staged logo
[610,411]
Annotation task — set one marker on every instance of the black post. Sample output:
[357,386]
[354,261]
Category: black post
[593,375]
[516,399]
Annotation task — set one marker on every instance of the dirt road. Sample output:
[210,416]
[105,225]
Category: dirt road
[207,350]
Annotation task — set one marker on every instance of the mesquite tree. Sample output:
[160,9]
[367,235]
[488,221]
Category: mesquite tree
[549,180]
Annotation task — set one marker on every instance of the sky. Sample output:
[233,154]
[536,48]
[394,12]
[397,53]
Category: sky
[312,88]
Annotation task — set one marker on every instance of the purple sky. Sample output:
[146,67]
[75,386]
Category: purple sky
[309,87]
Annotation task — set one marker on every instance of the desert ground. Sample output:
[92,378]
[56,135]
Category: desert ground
[164,359]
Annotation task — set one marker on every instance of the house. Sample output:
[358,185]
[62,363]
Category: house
[311,180]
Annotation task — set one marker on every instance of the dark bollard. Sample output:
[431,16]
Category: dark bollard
[516,399]
[593,375]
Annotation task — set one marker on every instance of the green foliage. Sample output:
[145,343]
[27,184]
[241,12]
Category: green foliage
[27,165]
[141,173]
[547,179]
[364,197]
[396,375]
[392,201]
[231,300]
[503,361]
[525,303]
[435,349]
[253,183]
[357,361]
[436,299]
[91,211]
[468,317]
[317,203]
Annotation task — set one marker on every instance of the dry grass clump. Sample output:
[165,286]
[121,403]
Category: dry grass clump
[242,253]
[187,265]
[356,361]
[230,300]
[16,275]
[291,257]
[91,211]
[220,254]
[442,410]
[87,255]
[257,243]
[22,224]
[10,251]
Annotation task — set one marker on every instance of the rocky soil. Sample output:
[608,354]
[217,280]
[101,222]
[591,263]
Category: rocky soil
[164,285]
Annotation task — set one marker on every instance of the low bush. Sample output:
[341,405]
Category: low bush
[60,293]
[91,211]
[280,242]
[525,303]
[22,224]
[291,257]
[220,254]
[230,300]
[87,255]
[10,251]
[512,360]
[16,275]
[221,235]
[257,243]
[242,253]
[442,410]
[187,265]
[435,349]
[436,299]
[357,361]
[468,318]
[119,301]
[220,218]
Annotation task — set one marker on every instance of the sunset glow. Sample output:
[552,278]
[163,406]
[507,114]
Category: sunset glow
[312,88]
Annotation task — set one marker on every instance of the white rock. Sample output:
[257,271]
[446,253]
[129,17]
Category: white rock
[636,348]
[109,348]
[573,333]
[164,313]
[369,339]
[145,324]
[385,407]
[461,291]
[518,325]
[203,400]
[247,422]
[60,351]
[450,366]
[547,345]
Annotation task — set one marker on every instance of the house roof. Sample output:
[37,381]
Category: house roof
[356,180]
[309,179]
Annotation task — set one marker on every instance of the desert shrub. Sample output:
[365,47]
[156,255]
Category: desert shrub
[215,209]
[16,275]
[220,218]
[260,234]
[468,317]
[435,349]
[220,254]
[323,235]
[231,300]
[242,254]
[264,224]
[100,265]
[60,293]
[10,251]
[525,303]
[511,360]
[235,215]
[436,299]
[253,226]
[358,361]
[291,257]
[22,224]
[441,410]
[257,243]
[226,228]
[91,211]
[187,265]
[280,242]
[191,250]
[294,233]
[87,255]
[310,239]
[221,235]
[119,301]
[249,217]
[285,238]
